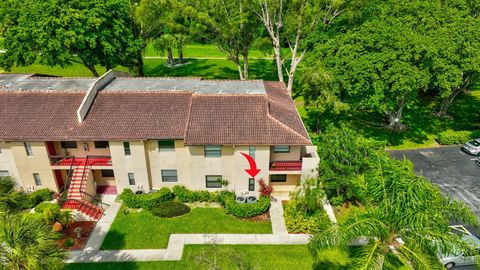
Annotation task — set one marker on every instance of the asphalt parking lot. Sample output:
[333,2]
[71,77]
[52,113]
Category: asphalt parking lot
[454,171]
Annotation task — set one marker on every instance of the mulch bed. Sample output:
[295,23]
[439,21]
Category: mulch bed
[87,228]
[263,217]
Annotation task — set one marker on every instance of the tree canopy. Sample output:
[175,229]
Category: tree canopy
[62,32]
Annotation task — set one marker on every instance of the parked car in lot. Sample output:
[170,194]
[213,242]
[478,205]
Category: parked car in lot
[478,161]
[472,147]
[462,258]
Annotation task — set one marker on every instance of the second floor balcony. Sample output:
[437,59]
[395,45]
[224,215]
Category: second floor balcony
[67,161]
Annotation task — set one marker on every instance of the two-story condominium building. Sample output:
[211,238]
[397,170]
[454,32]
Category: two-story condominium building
[117,132]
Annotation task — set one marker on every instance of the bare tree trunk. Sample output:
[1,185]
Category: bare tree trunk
[245,64]
[446,102]
[139,65]
[180,52]
[89,66]
[395,117]
[170,56]
[278,59]
[240,70]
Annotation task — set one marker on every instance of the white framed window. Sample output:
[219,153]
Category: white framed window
[278,178]
[213,181]
[28,148]
[213,151]
[251,151]
[68,144]
[169,176]
[281,149]
[251,184]
[131,179]
[37,179]
[4,173]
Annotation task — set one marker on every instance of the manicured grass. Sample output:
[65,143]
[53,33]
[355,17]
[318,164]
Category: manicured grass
[143,230]
[205,68]
[197,50]
[422,123]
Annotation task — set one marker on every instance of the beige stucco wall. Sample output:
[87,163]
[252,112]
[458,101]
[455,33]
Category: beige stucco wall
[103,181]
[38,163]
[294,154]
[7,162]
[135,163]
[80,152]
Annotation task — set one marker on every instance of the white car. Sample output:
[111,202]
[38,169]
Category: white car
[461,258]
[472,147]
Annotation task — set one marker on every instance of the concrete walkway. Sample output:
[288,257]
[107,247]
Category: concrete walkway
[103,224]
[176,242]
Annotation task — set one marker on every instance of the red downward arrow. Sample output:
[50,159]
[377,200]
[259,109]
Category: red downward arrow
[253,171]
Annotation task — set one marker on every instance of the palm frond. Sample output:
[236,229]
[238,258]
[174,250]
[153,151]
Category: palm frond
[370,257]
[418,259]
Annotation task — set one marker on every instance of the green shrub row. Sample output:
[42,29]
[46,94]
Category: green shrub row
[185,195]
[147,201]
[246,210]
[36,197]
[451,137]
[170,209]
[50,213]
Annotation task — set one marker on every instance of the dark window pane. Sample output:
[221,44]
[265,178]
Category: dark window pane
[131,179]
[107,173]
[38,181]
[101,144]
[67,145]
[126,148]
[251,151]
[251,184]
[278,178]
[166,145]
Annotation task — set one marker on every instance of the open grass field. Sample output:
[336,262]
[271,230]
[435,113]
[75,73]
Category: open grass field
[143,230]
[205,68]
[196,50]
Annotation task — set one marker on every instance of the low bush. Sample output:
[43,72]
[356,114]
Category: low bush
[146,201]
[49,211]
[451,137]
[69,242]
[246,210]
[33,199]
[185,195]
[300,222]
[170,209]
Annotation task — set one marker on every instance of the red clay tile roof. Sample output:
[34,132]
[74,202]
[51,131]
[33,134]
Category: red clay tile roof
[200,119]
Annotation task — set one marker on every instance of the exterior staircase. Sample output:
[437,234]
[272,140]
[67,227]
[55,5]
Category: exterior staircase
[77,198]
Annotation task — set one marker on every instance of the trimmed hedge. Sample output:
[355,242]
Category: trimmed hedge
[451,137]
[33,199]
[170,209]
[185,195]
[246,210]
[146,201]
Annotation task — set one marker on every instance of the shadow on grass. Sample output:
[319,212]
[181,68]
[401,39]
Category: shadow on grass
[113,240]
[209,69]
[103,266]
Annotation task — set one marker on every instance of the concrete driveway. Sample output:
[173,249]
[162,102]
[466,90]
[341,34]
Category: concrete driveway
[454,171]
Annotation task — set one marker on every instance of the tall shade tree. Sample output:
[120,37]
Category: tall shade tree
[61,32]
[28,244]
[165,24]
[406,218]
[231,26]
[379,66]
[293,22]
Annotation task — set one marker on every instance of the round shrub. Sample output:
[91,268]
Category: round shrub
[170,209]
[246,210]
[451,137]
[146,201]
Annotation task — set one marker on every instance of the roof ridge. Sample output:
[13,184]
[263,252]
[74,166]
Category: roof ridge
[187,125]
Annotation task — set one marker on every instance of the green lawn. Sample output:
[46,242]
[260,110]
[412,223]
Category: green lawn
[197,50]
[143,230]
[205,68]
[422,124]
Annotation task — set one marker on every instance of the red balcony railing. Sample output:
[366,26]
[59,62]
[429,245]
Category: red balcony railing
[291,165]
[79,161]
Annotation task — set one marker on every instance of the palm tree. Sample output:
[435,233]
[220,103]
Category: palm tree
[9,198]
[28,244]
[405,217]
